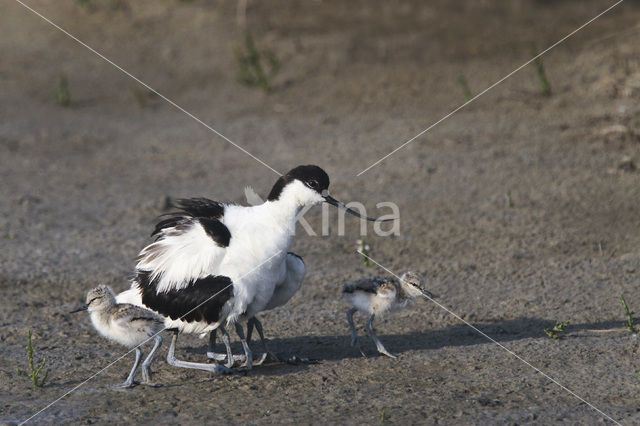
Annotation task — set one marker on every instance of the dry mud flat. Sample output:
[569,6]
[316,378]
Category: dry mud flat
[520,210]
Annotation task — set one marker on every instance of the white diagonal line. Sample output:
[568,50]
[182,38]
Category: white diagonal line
[172,103]
[482,333]
[490,87]
[151,337]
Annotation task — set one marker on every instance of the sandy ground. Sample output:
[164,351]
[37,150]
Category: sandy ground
[520,210]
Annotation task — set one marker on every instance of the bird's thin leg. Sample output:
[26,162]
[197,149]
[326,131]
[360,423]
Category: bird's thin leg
[129,382]
[379,345]
[171,360]
[227,343]
[250,324]
[231,358]
[212,354]
[247,350]
[146,365]
[354,332]
[253,321]
[212,341]
[211,347]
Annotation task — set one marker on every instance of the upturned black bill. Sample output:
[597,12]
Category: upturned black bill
[329,199]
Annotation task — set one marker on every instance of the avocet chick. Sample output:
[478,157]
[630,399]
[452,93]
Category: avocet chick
[126,324]
[376,296]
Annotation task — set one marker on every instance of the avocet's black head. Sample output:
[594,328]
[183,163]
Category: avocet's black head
[313,177]
[309,185]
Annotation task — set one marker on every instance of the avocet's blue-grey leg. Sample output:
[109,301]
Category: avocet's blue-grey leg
[146,365]
[227,344]
[171,360]
[254,322]
[250,324]
[211,347]
[379,345]
[354,332]
[129,382]
[247,350]
[211,350]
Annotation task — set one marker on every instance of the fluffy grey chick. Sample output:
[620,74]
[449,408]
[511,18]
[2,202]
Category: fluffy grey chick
[376,296]
[126,324]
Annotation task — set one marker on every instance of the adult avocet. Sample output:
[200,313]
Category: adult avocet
[214,264]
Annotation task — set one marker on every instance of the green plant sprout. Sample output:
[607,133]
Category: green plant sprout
[556,330]
[545,85]
[628,314]
[63,95]
[141,95]
[363,249]
[93,5]
[508,199]
[255,68]
[34,373]
[466,90]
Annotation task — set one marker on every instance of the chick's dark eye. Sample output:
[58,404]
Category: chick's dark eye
[313,184]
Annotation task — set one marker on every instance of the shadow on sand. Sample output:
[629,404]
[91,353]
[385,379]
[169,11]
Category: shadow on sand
[336,347]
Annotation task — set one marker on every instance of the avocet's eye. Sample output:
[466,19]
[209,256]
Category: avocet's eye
[313,184]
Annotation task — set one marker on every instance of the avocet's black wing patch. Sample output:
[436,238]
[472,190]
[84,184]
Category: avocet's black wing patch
[200,207]
[201,300]
[170,222]
[368,285]
[216,230]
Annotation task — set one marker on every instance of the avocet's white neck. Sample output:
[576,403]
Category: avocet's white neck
[283,210]
[293,198]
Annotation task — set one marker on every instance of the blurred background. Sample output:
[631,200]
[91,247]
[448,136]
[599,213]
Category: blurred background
[340,84]
[520,209]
